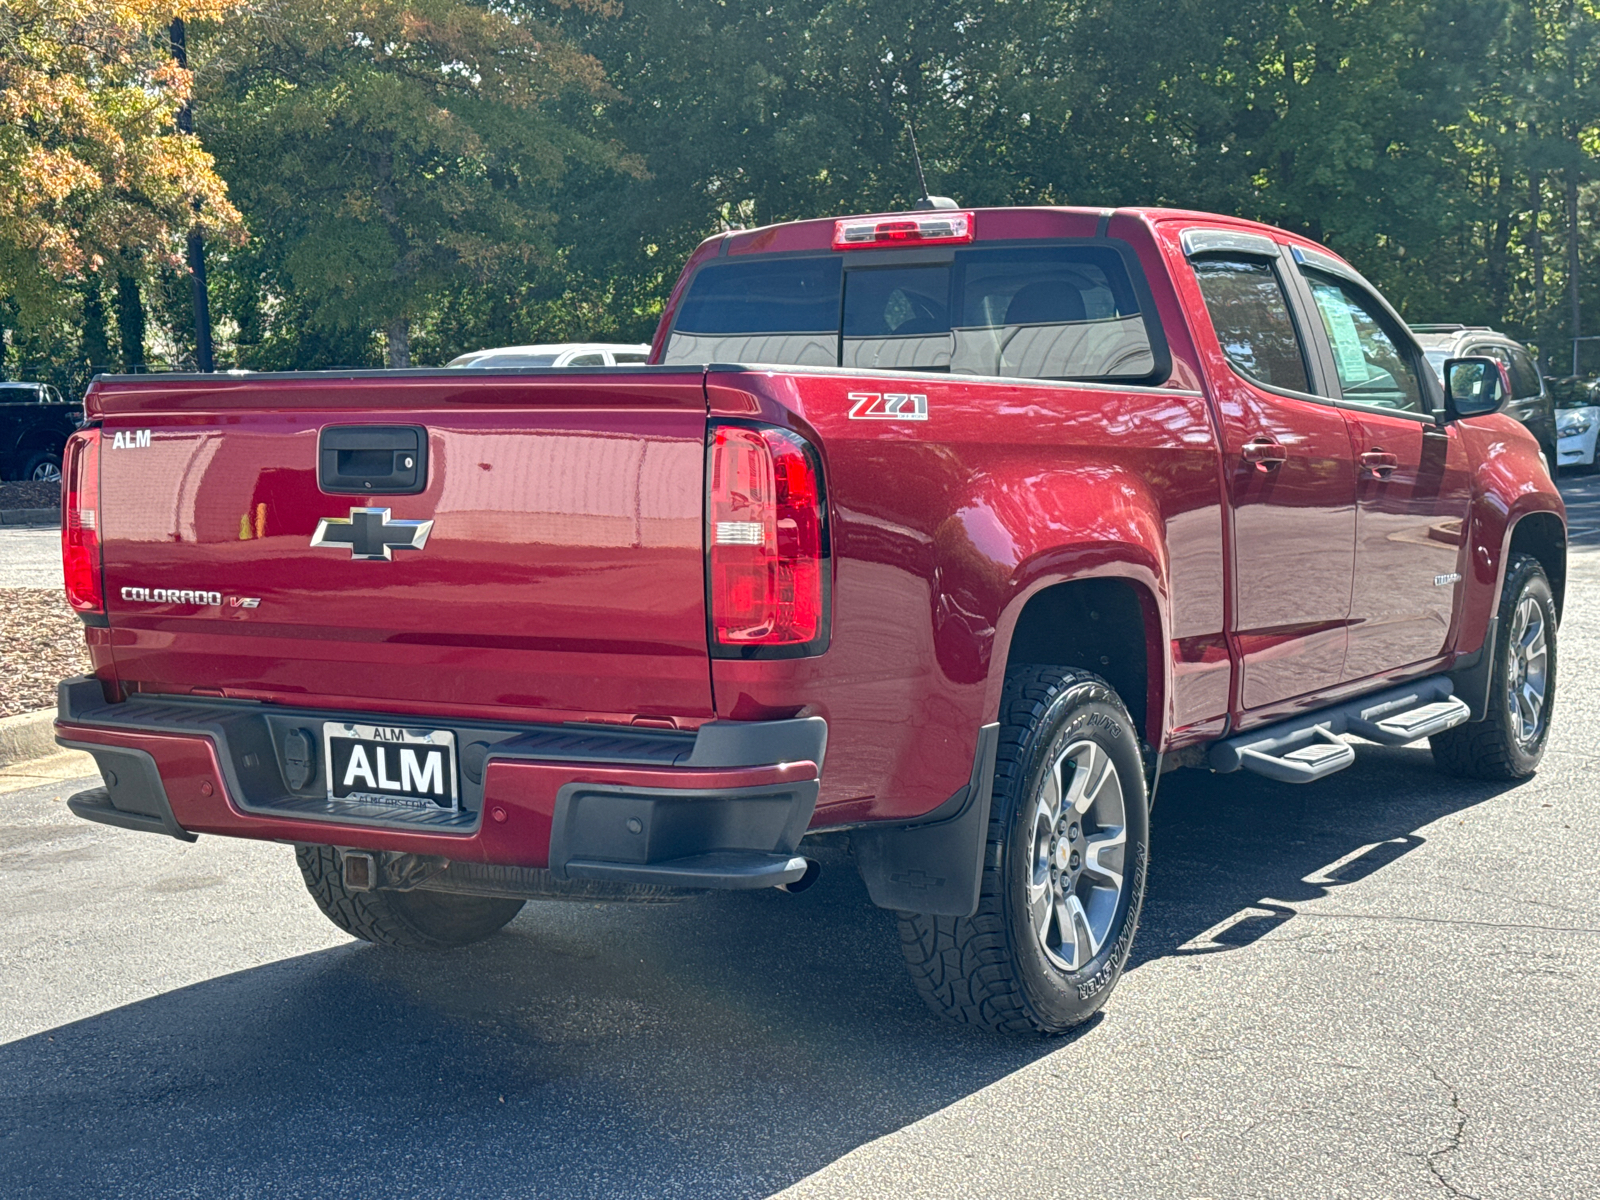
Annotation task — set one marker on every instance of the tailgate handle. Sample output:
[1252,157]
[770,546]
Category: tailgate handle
[373,460]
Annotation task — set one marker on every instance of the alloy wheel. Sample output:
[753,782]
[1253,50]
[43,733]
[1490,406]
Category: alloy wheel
[1527,674]
[1076,861]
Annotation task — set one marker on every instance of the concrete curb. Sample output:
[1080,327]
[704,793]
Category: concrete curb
[30,516]
[27,736]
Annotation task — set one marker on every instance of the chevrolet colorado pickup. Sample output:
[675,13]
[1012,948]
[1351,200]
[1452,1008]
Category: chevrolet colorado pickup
[947,530]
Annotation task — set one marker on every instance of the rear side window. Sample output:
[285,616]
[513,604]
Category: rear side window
[1525,382]
[1251,316]
[1045,312]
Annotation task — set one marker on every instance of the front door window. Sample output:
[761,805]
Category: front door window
[1372,368]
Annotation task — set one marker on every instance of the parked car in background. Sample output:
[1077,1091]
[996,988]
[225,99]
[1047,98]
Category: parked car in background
[1578,425]
[35,423]
[565,354]
[1530,401]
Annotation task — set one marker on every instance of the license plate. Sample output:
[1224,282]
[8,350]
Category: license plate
[391,764]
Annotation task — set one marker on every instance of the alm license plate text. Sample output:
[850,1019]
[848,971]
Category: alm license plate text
[391,764]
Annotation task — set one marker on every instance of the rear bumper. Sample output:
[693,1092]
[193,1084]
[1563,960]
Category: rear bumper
[724,807]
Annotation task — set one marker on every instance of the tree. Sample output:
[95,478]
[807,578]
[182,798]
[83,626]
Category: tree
[391,152]
[91,160]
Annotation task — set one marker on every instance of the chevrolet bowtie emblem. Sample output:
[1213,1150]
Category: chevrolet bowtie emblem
[370,533]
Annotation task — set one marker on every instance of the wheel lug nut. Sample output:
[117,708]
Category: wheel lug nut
[1076,860]
[1073,833]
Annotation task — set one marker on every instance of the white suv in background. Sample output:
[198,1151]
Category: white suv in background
[563,354]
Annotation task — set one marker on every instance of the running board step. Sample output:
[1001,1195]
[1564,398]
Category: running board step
[1320,756]
[1308,748]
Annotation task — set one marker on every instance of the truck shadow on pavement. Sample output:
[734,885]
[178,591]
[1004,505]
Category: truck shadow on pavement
[723,1046]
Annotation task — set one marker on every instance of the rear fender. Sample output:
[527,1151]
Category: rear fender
[1117,533]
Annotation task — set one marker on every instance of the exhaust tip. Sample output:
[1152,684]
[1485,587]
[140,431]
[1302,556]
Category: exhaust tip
[813,870]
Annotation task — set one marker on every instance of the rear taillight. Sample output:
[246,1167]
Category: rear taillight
[768,545]
[912,229]
[80,522]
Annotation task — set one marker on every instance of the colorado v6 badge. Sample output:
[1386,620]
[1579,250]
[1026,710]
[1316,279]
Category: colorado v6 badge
[371,535]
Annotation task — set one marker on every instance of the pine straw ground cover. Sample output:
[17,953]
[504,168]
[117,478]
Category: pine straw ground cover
[41,643]
[30,495]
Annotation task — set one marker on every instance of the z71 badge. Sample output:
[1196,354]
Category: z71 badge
[888,406]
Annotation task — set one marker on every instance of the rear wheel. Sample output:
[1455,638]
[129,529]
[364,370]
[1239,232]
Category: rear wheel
[1509,742]
[1064,869]
[407,920]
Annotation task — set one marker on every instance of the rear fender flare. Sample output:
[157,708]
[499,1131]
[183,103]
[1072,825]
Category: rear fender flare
[1076,525]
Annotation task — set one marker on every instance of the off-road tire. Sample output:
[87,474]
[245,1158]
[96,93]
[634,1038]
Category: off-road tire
[1490,748]
[989,969]
[405,920]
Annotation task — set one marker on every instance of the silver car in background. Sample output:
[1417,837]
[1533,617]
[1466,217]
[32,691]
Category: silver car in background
[1530,401]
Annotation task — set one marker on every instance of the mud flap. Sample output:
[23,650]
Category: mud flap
[935,866]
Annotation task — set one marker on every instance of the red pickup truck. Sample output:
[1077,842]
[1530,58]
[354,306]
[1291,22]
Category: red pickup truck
[950,529]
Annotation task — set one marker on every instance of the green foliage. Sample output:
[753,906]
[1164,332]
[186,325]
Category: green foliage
[390,152]
[435,176]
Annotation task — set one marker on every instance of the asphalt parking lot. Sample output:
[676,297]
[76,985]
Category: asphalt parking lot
[1385,985]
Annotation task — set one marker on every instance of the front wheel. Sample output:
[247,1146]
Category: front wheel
[1509,742]
[1064,868]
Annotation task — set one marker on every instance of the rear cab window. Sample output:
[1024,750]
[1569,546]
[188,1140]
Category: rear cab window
[1045,311]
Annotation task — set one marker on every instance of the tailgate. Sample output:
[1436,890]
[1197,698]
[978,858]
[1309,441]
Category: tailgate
[563,571]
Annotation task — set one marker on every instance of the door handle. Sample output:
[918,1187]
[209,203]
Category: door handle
[372,460]
[1264,453]
[1379,462]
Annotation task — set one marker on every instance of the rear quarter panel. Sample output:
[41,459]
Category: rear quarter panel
[943,529]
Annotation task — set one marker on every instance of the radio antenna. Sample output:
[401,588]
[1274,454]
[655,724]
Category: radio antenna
[927,201]
[916,157]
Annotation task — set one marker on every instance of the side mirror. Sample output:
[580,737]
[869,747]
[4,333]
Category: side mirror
[1473,386]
